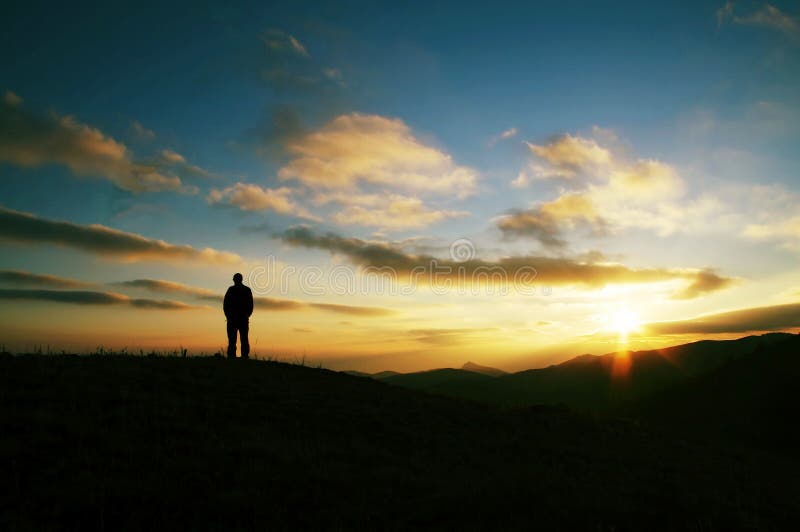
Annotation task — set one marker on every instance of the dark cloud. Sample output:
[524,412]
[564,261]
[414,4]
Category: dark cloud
[705,281]
[162,304]
[30,140]
[384,258]
[28,228]
[269,303]
[263,303]
[548,222]
[87,297]
[772,318]
[156,285]
[533,224]
[23,278]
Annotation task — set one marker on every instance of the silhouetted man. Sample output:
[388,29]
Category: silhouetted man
[238,307]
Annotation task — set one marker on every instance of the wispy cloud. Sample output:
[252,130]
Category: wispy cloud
[335,75]
[11,99]
[169,287]
[141,132]
[352,310]
[250,197]
[280,41]
[768,16]
[87,297]
[30,229]
[23,278]
[785,230]
[385,211]
[772,318]
[507,134]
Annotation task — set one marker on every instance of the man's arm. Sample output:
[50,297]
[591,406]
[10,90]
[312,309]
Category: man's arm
[226,304]
[249,302]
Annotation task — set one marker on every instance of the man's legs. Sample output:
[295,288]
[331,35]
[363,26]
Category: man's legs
[232,340]
[244,328]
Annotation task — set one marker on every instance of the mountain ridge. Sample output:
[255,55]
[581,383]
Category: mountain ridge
[593,382]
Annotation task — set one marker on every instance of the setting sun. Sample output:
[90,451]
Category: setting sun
[623,322]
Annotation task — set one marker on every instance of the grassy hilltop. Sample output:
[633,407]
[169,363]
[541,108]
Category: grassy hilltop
[113,442]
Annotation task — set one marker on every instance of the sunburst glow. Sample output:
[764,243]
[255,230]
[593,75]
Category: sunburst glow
[623,322]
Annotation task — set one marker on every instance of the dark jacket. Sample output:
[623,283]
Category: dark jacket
[238,305]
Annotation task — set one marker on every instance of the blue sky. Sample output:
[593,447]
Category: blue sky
[700,98]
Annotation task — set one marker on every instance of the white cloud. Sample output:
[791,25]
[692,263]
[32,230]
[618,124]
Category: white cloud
[250,197]
[358,148]
[607,192]
[567,156]
[393,211]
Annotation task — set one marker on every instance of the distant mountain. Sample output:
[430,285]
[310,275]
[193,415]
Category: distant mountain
[384,374]
[591,382]
[485,370]
[355,373]
[380,375]
[751,399]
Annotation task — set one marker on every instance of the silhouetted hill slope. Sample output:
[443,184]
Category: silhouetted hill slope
[355,373]
[447,381]
[752,400]
[150,443]
[485,370]
[593,382]
[384,374]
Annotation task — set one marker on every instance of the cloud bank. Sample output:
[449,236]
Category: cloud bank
[263,303]
[23,278]
[526,269]
[32,140]
[603,192]
[772,318]
[30,229]
[87,297]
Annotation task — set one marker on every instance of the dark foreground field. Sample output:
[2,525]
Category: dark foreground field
[141,443]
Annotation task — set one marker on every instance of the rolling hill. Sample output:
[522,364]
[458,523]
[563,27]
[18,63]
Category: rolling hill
[146,442]
[750,399]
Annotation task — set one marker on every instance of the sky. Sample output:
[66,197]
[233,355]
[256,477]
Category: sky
[404,186]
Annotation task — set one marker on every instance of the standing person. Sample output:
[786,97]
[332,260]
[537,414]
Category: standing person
[238,307]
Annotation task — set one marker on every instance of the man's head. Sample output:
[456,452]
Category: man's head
[237,278]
